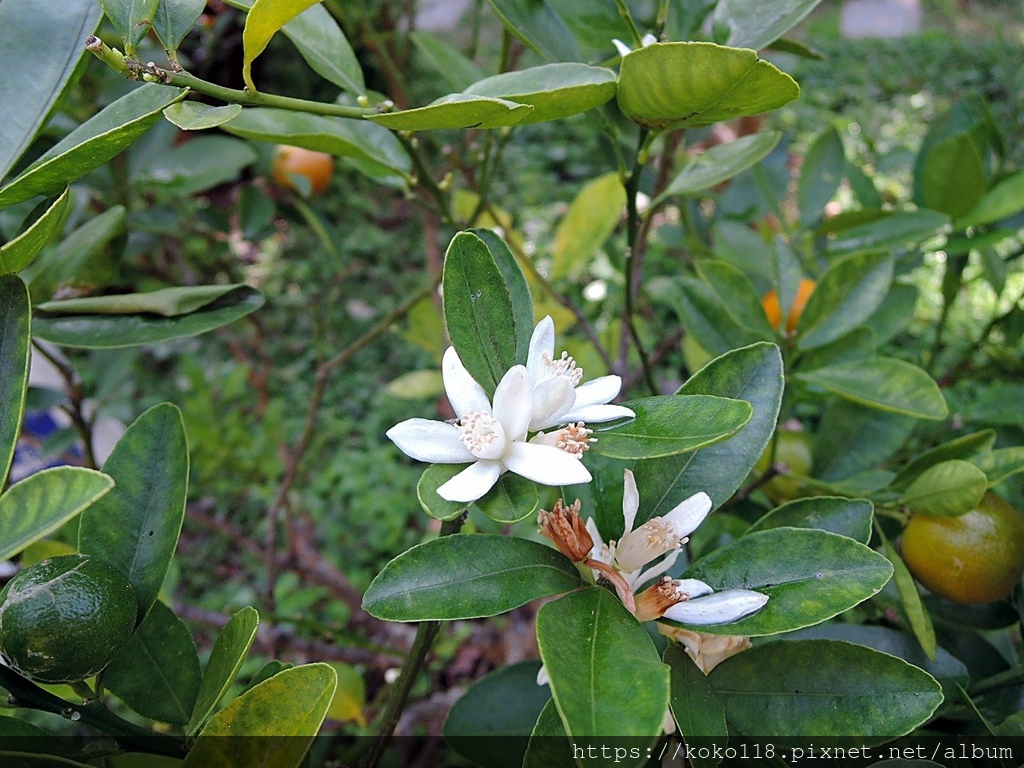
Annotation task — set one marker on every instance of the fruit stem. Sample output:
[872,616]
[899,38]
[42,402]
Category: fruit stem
[28,695]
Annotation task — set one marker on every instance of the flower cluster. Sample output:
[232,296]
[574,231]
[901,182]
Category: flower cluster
[494,437]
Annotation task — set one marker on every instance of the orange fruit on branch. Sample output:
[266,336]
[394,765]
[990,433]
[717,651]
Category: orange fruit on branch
[302,170]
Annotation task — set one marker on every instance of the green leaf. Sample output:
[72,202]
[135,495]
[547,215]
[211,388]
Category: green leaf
[919,618]
[697,710]
[166,302]
[131,19]
[539,26]
[196,116]
[229,651]
[553,90]
[513,498]
[847,517]
[41,503]
[737,295]
[518,288]
[606,677]
[454,68]
[665,86]
[592,217]
[671,424]
[705,314]
[434,477]
[884,383]
[892,230]
[157,673]
[40,47]
[1002,201]
[191,167]
[355,139]
[467,577]
[93,143]
[108,331]
[135,527]
[548,743]
[286,712]
[758,23]
[847,295]
[325,48]
[456,110]
[263,21]
[858,344]
[895,313]
[824,687]
[951,178]
[505,703]
[18,253]
[877,435]
[478,310]
[964,447]
[809,575]
[947,489]
[1000,463]
[720,163]
[174,19]
[15,356]
[753,374]
[820,174]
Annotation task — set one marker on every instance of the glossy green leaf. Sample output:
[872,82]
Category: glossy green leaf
[672,424]
[41,503]
[696,708]
[951,176]
[606,677]
[721,163]
[131,19]
[919,618]
[847,517]
[194,166]
[107,331]
[963,447]
[434,477]
[877,435]
[809,575]
[229,651]
[548,743]
[487,725]
[1000,463]
[895,313]
[157,674]
[823,687]
[40,47]
[753,374]
[553,90]
[135,527]
[665,86]
[456,110]
[285,711]
[355,139]
[467,577]
[593,215]
[737,295]
[513,498]
[323,45]
[263,21]
[947,489]
[196,116]
[538,25]
[758,23]
[93,143]
[847,295]
[174,19]
[15,356]
[893,230]
[1004,199]
[165,302]
[479,311]
[18,253]
[454,68]
[705,313]
[884,383]
[518,288]
[858,344]
[820,174]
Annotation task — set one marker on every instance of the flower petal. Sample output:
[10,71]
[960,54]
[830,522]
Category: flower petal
[472,482]
[694,588]
[543,340]
[433,441]
[688,514]
[719,608]
[597,392]
[598,413]
[551,400]
[630,501]
[595,534]
[545,465]
[463,392]
[513,403]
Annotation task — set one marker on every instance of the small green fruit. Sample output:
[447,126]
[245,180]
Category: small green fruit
[794,456]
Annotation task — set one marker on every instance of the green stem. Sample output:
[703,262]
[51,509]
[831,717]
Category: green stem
[628,18]
[28,695]
[425,179]
[630,267]
[425,634]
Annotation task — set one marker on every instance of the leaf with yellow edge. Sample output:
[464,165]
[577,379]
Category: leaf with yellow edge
[263,21]
[350,696]
[285,711]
